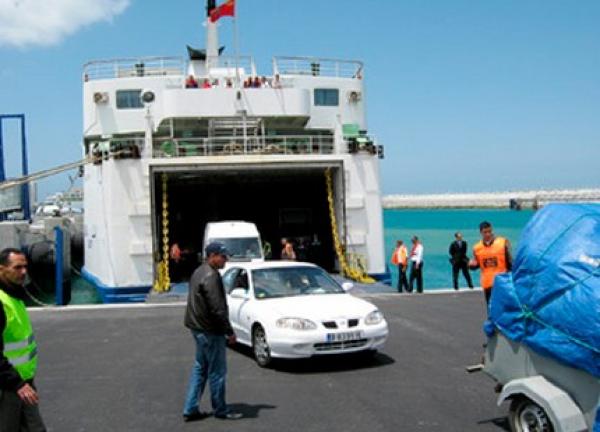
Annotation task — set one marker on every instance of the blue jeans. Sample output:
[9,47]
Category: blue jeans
[209,365]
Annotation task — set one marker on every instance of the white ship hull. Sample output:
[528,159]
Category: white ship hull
[254,154]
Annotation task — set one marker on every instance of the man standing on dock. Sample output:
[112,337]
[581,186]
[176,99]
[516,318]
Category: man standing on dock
[400,258]
[492,255]
[19,399]
[416,265]
[459,260]
[207,316]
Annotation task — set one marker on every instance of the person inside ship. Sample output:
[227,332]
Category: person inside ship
[302,251]
[191,82]
[229,83]
[276,82]
[267,250]
[288,253]
[181,262]
[256,82]
[206,84]
[264,82]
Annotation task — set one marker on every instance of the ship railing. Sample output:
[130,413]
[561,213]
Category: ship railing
[251,145]
[315,66]
[178,66]
[134,67]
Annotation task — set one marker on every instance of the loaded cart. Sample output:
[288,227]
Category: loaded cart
[543,330]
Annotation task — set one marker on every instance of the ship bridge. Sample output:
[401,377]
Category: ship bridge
[298,107]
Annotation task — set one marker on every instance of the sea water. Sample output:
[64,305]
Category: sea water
[435,228]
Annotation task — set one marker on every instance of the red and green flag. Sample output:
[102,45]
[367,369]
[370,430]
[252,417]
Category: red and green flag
[225,9]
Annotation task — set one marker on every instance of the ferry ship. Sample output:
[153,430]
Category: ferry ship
[179,142]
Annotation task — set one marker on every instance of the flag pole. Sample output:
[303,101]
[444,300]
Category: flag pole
[240,87]
[236,48]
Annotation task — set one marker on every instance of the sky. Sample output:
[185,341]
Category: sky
[465,95]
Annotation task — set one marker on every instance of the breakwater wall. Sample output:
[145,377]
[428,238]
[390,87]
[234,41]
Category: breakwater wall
[515,199]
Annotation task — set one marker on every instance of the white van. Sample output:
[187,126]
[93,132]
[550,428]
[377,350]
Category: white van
[241,239]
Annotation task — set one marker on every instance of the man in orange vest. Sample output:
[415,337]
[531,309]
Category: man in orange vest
[399,258]
[492,255]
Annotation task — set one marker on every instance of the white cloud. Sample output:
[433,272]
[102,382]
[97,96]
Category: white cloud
[47,22]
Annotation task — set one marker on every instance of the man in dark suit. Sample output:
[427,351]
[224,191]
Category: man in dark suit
[459,260]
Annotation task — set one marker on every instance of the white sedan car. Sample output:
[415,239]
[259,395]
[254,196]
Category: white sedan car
[286,309]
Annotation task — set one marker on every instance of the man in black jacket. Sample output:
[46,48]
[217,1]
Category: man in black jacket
[18,360]
[207,316]
[459,260]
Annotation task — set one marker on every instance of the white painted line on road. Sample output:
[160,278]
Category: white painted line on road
[426,292]
[106,306]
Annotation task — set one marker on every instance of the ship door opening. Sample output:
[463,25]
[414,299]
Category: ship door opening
[283,203]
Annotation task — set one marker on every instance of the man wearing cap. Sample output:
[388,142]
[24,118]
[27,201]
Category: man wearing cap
[18,350]
[207,316]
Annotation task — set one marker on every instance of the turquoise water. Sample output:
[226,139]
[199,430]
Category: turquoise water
[436,230]
[82,292]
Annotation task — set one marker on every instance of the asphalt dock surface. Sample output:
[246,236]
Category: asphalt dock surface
[126,369]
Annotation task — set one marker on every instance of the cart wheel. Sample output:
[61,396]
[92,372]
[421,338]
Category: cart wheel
[260,346]
[527,416]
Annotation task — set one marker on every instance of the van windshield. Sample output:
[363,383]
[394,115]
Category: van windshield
[241,249]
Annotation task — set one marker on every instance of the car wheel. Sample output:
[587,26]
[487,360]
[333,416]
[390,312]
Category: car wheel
[260,347]
[527,416]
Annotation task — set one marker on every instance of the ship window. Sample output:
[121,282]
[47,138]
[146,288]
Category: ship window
[327,97]
[128,99]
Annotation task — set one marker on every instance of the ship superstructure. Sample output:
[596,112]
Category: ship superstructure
[179,142]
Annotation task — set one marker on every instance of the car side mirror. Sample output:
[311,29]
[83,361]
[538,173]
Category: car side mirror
[239,293]
[347,286]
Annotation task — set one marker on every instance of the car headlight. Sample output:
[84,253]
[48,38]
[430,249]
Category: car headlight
[296,323]
[374,317]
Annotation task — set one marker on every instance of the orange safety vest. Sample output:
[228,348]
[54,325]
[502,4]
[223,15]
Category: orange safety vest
[399,256]
[491,260]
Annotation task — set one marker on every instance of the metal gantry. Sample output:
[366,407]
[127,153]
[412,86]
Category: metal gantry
[24,163]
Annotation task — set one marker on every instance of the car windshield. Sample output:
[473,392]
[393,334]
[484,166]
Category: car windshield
[292,281]
[241,249]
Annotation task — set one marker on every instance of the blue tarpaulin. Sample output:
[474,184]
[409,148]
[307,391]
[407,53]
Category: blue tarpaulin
[551,300]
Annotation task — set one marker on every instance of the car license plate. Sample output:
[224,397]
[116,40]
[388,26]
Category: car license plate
[345,336]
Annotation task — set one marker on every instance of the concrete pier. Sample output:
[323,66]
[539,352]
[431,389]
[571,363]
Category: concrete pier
[125,368]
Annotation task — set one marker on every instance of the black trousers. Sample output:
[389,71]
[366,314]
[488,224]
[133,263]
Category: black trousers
[402,281]
[17,416]
[488,295]
[416,273]
[464,267]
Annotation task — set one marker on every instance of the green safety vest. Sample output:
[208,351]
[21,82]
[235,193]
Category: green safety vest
[19,343]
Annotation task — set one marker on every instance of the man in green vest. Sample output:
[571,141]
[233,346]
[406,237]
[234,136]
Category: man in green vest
[18,351]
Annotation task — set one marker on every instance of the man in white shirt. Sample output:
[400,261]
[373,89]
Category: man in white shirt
[416,265]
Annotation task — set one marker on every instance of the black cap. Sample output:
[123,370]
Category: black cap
[216,248]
